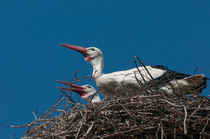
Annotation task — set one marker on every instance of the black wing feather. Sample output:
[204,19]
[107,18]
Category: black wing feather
[169,75]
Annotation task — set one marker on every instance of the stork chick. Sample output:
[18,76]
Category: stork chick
[86,92]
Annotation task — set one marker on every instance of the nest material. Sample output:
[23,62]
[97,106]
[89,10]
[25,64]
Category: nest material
[145,116]
[135,117]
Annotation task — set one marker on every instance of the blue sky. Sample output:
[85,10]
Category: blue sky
[171,33]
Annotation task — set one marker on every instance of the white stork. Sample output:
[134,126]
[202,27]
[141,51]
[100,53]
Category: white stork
[131,81]
[86,92]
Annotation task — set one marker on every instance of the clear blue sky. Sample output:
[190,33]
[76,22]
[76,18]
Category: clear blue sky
[171,33]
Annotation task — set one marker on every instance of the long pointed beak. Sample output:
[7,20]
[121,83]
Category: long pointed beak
[72,89]
[71,85]
[75,88]
[76,48]
[80,49]
[66,83]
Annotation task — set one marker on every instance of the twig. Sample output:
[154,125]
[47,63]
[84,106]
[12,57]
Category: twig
[34,115]
[128,112]
[196,68]
[139,82]
[139,72]
[170,103]
[161,136]
[80,128]
[89,129]
[156,134]
[185,118]
[201,133]
[69,98]
[93,96]
[14,126]
[144,67]
[195,110]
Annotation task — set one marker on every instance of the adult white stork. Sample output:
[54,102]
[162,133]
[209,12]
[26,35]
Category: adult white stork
[130,82]
[86,92]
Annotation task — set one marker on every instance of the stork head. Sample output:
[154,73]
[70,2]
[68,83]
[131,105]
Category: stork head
[90,94]
[89,53]
[86,92]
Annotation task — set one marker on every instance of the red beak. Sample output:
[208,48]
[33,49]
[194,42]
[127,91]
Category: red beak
[75,88]
[80,49]
[71,85]
[72,89]
[76,48]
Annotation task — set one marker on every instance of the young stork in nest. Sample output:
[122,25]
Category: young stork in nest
[86,92]
[132,81]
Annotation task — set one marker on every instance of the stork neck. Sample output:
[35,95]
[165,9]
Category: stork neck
[98,64]
[96,98]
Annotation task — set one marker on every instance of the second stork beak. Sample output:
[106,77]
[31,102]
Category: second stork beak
[75,88]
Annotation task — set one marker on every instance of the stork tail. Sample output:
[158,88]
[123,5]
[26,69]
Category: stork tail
[197,82]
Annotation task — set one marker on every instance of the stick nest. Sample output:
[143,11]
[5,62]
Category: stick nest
[135,117]
[142,116]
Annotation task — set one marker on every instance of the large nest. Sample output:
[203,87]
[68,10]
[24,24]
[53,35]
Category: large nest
[135,117]
[145,116]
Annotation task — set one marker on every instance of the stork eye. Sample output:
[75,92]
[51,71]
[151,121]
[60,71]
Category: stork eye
[92,49]
[88,86]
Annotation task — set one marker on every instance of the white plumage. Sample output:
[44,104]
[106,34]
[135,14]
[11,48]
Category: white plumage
[132,82]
